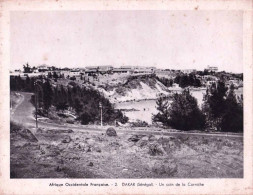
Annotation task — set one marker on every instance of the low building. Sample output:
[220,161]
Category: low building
[91,71]
[189,71]
[98,69]
[212,68]
[105,69]
[123,70]
[144,70]
[161,72]
[42,68]
[74,72]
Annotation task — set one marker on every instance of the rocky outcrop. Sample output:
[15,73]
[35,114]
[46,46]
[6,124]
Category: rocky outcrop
[111,132]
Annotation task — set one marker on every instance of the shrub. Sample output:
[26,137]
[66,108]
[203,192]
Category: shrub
[119,116]
[140,123]
[73,78]
[70,121]
[85,118]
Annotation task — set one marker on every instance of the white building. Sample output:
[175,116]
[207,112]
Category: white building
[212,68]
[144,70]
[42,68]
[124,70]
[188,71]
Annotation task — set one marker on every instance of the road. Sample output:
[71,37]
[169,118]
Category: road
[23,114]
[23,111]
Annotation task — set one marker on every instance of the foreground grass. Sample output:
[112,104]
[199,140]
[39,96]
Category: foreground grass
[56,153]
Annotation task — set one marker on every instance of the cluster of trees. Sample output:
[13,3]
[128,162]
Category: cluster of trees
[27,68]
[54,76]
[222,110]
[85,101]
[180,111]
[19,84]
[185,80]
[166,82]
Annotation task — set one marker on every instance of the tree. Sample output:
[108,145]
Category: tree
[183,113]
[49,75]
[73,78]
[40,93]
[78,105]
[48,95]
[85,118]
[55,75]
[166,82]
[162,105]
[27,68]
[232,119]
[120,117]
[185,80]
[214,104]
[83,100]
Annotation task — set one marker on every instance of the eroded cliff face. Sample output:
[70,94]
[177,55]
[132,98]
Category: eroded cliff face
[134,89]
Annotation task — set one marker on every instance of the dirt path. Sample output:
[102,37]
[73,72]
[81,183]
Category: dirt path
[23,112]
[18,103]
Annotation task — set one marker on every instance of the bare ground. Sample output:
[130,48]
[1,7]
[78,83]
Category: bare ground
[61,153]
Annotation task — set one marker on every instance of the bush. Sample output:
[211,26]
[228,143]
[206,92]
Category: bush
[70,121]
[140,123]
[85,118]
[119,116]
[73,78]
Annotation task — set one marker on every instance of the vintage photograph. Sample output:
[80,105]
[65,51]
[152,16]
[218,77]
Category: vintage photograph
[126,94]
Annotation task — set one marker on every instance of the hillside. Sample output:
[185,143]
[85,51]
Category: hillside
[133,88]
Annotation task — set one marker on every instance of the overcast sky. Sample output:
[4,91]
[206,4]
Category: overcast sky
[165,39]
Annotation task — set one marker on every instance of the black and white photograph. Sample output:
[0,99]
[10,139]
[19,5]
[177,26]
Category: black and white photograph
[126,94]
[126,97]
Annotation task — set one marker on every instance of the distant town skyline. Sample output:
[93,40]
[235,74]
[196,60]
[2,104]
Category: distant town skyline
[99,66]
[163,39]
